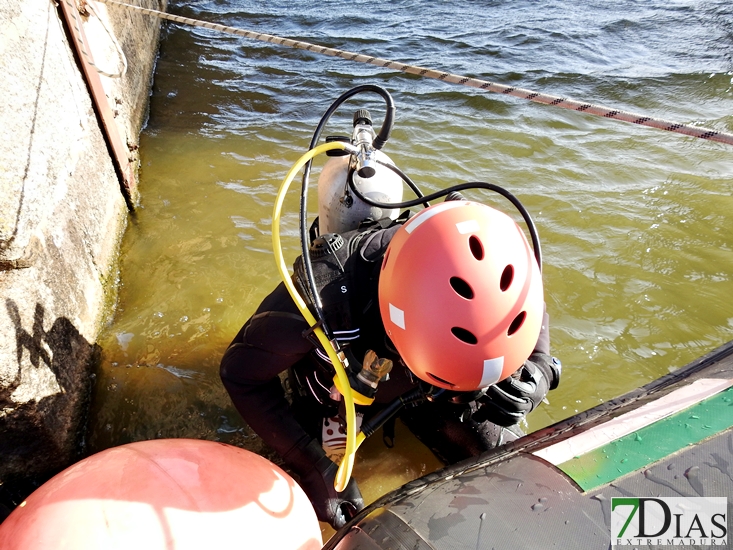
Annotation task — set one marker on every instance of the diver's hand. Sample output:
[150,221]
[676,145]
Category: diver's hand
[331,506]
[508,402]
[317,472]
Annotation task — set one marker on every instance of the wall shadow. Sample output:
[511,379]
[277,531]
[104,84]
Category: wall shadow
[41,437]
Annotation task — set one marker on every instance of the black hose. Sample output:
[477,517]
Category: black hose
[411,184]
[460,187]
[379,142]
[377,421]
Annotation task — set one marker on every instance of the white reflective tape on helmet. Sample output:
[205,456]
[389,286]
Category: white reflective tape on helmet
[428,213]
[397,316]
[492,371]
[469,226]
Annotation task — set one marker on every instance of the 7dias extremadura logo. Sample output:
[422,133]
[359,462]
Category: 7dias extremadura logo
[669,521]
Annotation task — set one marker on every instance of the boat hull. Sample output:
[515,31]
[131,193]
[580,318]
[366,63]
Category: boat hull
[532,494]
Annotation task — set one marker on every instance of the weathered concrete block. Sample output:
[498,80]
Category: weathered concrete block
[62,215]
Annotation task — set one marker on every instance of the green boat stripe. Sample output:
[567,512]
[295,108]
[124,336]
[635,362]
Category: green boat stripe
[632,421]
[640,438]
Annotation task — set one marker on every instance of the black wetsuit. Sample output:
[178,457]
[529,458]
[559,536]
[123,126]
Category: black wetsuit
[273,341]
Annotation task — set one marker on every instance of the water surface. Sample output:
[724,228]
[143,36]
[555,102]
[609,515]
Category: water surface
[635,222]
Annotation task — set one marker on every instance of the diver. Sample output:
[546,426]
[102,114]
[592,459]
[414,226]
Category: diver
[452,296]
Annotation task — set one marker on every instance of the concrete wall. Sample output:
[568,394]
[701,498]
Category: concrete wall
[62,214]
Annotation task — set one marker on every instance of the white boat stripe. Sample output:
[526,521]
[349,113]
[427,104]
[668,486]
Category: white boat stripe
[632,421]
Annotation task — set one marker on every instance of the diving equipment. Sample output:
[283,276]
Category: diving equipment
[340,209]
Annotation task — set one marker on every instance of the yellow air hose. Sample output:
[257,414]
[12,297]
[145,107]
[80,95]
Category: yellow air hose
[352,442]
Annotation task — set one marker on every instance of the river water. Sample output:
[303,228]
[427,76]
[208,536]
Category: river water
[635,223]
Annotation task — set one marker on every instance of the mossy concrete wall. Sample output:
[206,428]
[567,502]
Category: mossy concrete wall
[62,214]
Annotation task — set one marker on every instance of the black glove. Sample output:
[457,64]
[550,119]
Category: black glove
[317,473]
[509,401]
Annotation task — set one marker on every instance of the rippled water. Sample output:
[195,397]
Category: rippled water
[635,223]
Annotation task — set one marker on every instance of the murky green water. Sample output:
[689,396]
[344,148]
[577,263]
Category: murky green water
[636,223]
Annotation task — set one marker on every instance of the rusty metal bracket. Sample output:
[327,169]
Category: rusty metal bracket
[118,149]
[29,256]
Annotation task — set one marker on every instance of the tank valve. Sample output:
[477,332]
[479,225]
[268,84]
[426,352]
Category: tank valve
[363,137]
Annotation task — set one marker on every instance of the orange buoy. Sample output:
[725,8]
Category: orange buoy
[172,494]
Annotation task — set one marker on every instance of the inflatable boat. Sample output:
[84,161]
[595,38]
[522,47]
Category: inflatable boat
[554,488]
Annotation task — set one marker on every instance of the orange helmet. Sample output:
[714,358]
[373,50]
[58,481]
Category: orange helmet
[460,295]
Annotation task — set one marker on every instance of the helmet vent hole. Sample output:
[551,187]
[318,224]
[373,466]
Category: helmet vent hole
[464,335]
[517,323]
[507,276]
[477,249]
[386,257]
[440,380]
[461,287]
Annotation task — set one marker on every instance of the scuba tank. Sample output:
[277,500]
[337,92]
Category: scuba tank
[339,209]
